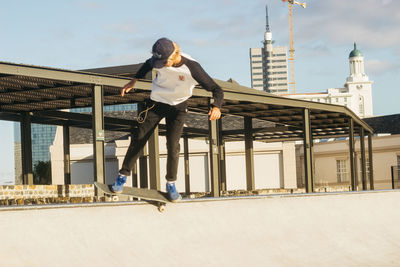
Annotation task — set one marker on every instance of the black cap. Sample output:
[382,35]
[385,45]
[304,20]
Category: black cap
[161,51]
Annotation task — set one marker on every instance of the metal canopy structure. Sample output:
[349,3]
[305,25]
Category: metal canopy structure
[33,94]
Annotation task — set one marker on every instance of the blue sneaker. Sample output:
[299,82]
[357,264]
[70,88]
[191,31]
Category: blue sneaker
[119,184]
[173,195]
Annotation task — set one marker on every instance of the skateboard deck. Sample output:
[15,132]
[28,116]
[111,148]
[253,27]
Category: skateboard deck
[145,194]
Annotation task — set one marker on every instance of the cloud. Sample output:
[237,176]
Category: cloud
[121,59]
[378,67]
[224,31]
[89,5]
[313,49]
[126,27]
[371,22]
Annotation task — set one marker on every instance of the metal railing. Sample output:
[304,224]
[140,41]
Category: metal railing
[395,177]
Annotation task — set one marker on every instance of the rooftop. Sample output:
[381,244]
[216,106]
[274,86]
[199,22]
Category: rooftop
[43,92]
[385,124]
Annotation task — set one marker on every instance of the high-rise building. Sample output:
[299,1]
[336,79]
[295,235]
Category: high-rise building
[357,91]
[269,65]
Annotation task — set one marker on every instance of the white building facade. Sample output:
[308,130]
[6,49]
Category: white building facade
[357,91]
[332,162]
[274,164]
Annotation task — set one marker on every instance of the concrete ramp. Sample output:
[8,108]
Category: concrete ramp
[349,229]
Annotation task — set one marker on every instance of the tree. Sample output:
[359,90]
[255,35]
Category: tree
[42,172]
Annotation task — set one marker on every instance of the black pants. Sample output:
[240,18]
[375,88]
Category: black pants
[175,118]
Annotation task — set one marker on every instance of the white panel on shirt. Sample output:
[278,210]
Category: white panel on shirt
[173,85]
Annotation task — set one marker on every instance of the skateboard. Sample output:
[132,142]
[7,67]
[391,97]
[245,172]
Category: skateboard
[150,195]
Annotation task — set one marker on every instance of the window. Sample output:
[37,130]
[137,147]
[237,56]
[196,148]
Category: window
[279,67]
[341,171]
[278,72]
[398,167]
[361,105]
[255,55]
[276,79]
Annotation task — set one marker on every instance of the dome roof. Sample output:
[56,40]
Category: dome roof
[355,52]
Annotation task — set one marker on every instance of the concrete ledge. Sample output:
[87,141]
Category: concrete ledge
[78,202]
[340,229]
[20,195]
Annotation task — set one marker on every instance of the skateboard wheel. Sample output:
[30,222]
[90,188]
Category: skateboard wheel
[161,208]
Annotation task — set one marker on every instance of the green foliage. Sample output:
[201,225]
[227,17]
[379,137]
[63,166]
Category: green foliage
[42,172]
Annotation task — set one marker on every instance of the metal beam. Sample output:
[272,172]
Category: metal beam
[186,163]
[308,154]
[248,132]
[98,134]
[143,179]
[67,156]
[351,154]
[214,166]
[260,97]
[62,115]
[26,148]
[135,175]
[261,130]
[371,165]
[363,165]
[154,162]
[65,75]
[231,92]
[9,116]
[222,156]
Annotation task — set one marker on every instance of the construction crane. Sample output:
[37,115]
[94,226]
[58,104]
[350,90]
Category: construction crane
[291,49]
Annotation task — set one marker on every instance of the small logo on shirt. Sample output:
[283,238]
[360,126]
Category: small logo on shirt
[157,55]
[181,77]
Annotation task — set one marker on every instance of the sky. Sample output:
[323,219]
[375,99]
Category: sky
[81,34]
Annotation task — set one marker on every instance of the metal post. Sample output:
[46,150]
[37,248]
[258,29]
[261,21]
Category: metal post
[135,175]
[67,157]
[98,134]
[143,168]
[222,156]
[154,162]
[143,179]
[351,152]
[248,136]
[186,159]
[26,148]
[363,165]
[392,172]
[307,143]
[214,166]
[371,166]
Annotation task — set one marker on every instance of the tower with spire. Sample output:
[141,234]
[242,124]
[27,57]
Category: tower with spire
[358,85]
[357,91]
[269,65]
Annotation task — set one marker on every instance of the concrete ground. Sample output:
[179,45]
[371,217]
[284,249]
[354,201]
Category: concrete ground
[348,229]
